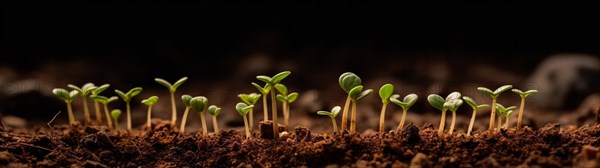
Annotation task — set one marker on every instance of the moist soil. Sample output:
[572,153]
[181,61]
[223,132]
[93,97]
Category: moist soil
[96,146]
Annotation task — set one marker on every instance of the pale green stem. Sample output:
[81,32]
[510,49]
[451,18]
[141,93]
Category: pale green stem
[173,111]
[353,119]
[499,122]
[382,119]
[334,125]
[149,118]
[472,121]
[246,126]
[70,110]
[128,117]
[285,116]
[452,123]
[442,123]
[184,119]
[251,120]
[345,113]
[108,120]
[402,120]
[506,123]
[204,130]
[491,129]
[521,108]
[216,125]
[265,110]
[274,108]
[86,111]
[98,113]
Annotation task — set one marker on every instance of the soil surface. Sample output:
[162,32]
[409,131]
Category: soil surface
[96,146]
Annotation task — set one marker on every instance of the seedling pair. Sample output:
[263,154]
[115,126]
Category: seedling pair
[68,97]
[475,107]
[452,102]
[105,101]
[126,97]
[243,109]
[494,94]
[351,84]
[332,114]
[285,99]
[96,92]
[198,103]
[172,88]
[385,93]
[270,82]
[506,112]
[84,91]
[251,99]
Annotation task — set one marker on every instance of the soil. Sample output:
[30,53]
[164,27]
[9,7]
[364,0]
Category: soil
[96,146]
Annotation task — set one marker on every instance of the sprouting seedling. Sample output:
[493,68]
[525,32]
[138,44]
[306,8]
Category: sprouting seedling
[409,101]
[200,104]
[285,99]
[272,81]
[347,82]
[68,97]
[214,111]
[126,97]
[115,114]
[475,107]
[172,88]
[150,102]
[522,107]
[243,109]
[265,92]
[95,92]
[334,112]
[105,101]
[187,101]
[494,95]
[504,112]
[453,102]
[251,99]
[84,91]
[385,92]
[356,94]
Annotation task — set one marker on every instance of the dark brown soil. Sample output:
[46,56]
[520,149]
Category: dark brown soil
[549,146]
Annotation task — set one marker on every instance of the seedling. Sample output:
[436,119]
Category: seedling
[522,106]
[334,112]
[150,102]
[126,97]
[115,114]
[385,92]
[475,107]
[84,91]
[494,95]
[214,111]
[347,81]
[95,92]
[272,81]
[285,99]
[200,104]
[504,111]
[105,101]
[243,109]
[68,97]
[452,102]
[265,92]
[408,101]
[356,94]
[187,99]
[251,99]
[172,88]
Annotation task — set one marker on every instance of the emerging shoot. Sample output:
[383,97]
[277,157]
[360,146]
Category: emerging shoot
[285,99]
[265,92]
[187,99]
[334,112]
[494,95]
[214,111]
[126,97]
[385,92]
[95,92]
[84,91]
[504,112]
[453,102]
[347,81]
[105,101]
[522,106]
[243,109]
[356,94]
[272,81]
[150,102]
[251,99]
[115,114]
[172,88]
[68,97]
[475,107]
[200,104]
[409,101]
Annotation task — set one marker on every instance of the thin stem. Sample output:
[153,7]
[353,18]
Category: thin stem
[382,119]
[128,117]
[246,126]
[86,111]
[345,113]
[506,122]
[285,114]
[491,129]
[251,121]
[184,119]
[70,110]
[204,130]
[353,119]
[116,123]
[472,121]
[499,122]
[274,108]
[216,125]
[108,120]
[402,120]
[173,111]
[149,118]
[521,108]
[334,125]
[98,113]
[442,123]
[452,123]
[265,110]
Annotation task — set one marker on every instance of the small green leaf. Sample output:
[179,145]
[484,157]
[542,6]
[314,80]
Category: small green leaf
[453,95]
[502,89]
[99,99]
[115,114]
[262,90]
[63,94]
[243,108]
[410,100]
[486,91]
[531,92]
[385,92]
[112,99]
[100,89]
[500,109]
[292,97]
[470,102]
[251,98]
[214,110]
[281,89]
[150,101]
[508,113]
[524,94]
[85,90]
[511,108]
[335,111]
[481,106]
[280,76]
[164,83]
[199,103]
[178,83]
[326,113]
[186,100]
[436,101]
[281,98]
[123,96]
[348,81]
[134,92]
[355,92]
[74,87]
[263,78]
[453,104]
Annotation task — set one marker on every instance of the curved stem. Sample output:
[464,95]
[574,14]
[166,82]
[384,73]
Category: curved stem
[86,112]
[204,130]
[70,110]
[246,126]
[173,111]
[472,121]
[452,123]
[149,118]
[334,125]
[442,123]
[382,119]
[491,129]
[108,120]
[521,113]
[345,113]
[265,110]
[274,111]
[184,119]
[98,113]
[128,117]
[402,120]
[216,125]
[353,120]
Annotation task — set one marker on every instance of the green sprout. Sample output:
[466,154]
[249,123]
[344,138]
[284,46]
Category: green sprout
[272,81]
[251,99]
[115,114]
[214,111]
[126,97]
[285,99]
[356,94]
[95,92]
[187,99]
[334,112]
[172,88]
[504,111]
[265,92]
[105,101]
[150,102]
[494,95]
[452,102]
[522,107]
[84,91]
[475,107]
[68,97]
[408,101]
[385,92]
[200,104]
[347,82]
[243,109]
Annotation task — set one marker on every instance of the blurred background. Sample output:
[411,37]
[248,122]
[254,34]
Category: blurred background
[420,49]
